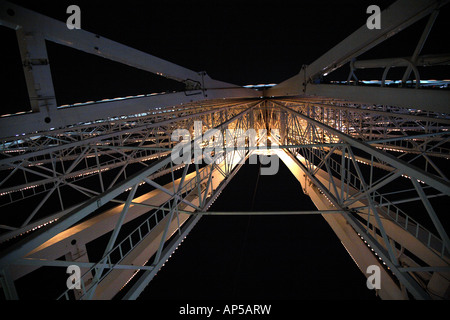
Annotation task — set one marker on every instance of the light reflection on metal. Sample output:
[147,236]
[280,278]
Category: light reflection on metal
[324,136]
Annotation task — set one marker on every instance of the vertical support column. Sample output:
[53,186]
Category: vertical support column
[434,218]
[78,253]
[7,284]
[36,68]
[283,127]
[111,242]
[420,45]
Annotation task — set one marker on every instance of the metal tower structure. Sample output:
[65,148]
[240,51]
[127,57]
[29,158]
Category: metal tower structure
[373,159]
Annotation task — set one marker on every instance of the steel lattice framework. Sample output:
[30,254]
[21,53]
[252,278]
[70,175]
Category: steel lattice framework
[81,171]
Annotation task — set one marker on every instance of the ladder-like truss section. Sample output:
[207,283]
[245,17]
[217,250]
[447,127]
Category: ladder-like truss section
[373,159]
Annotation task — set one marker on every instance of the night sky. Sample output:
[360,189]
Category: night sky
[241,42]
[260,257]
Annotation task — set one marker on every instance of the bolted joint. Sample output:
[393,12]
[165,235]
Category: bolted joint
[192,85]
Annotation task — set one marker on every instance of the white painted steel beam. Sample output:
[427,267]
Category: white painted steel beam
[421,99]
[57,31]
[397,17]
[36,69]
[62,117]
[406,168]
[360,253]
[27,245]
[424,61]
[45,28]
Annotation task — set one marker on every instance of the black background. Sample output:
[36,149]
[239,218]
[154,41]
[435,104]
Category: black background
[241,42]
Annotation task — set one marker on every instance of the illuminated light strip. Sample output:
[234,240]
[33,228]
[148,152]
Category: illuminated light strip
[384,263]
[408,177]
[141,117]
[397,150]
[367,163]
[365,242]
[30,230]
[70,177]
[176,248]
[176,230]
[351,255]
[375,253]
[22,189]
[88,173]
[95,171]
[140,184]
[14,150]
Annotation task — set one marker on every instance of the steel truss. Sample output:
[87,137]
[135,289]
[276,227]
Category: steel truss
[371,198]
[72,174]
[49,163]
